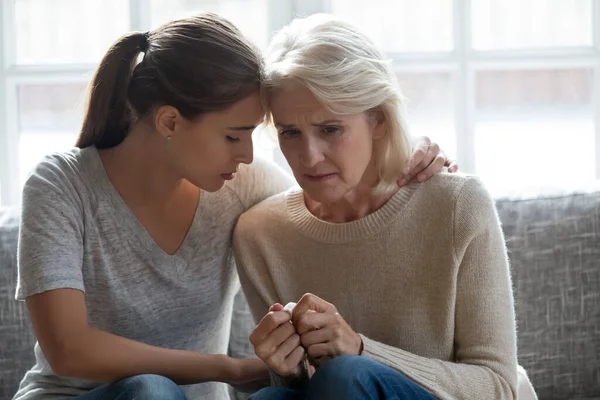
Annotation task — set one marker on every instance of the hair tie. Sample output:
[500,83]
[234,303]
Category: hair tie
[144,44]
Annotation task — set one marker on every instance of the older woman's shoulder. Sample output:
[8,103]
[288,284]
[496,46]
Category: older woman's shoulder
[457,184]
[266,213]
[457,189]
[466,196]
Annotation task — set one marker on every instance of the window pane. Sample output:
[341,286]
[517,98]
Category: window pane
[67,31]
[49,120]
[429,99]
[401,25]
[250,16]
[514,24]
[534,127]
[50,117]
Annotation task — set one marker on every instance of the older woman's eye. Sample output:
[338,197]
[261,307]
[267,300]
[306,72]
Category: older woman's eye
[232,139]
[289,132]
[332,130]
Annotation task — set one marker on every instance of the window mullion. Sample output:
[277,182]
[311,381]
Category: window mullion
[4,145]
[596,102]
[465,84]
[9,143]
[139,15]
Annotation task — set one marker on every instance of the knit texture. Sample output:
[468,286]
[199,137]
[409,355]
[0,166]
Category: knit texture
[425,280]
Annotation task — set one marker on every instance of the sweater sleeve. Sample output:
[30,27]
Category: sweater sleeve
[259,306]
[485,365]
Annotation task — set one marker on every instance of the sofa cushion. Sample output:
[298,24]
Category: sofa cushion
[554,249]
[16,336]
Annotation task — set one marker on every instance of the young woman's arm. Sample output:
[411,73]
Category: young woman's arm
[74,349]
[51,250]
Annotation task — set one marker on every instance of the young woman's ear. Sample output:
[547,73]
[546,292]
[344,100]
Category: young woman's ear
[167,119]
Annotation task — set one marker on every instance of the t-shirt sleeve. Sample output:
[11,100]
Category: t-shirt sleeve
[51,234]
[259,181]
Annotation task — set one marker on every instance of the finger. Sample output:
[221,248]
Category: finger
[428,158]
[311,302]
[292,362]
[315,337]
[420,147]
[276,307]
[452,165]
[269,323]
[310,321]
[434,167]
[320,350]
[415,159]
[270,345]
[280,335]
[288,346]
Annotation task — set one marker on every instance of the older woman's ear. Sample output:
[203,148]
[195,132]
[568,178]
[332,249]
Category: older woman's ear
[378,123]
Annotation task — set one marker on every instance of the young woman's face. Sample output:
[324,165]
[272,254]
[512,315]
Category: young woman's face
[330,154]
[207,151]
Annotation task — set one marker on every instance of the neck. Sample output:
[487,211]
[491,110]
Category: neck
[140,170]
[357,203]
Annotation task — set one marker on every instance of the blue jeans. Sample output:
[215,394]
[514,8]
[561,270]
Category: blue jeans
[351,378]
[139,387]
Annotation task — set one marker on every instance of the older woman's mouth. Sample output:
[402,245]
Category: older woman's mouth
[320,177]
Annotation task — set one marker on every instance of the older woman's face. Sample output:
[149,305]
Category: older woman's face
[330,154]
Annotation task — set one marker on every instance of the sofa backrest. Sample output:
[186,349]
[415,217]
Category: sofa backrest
[554,247]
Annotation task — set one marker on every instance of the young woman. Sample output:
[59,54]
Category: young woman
[125,242]
[410,290]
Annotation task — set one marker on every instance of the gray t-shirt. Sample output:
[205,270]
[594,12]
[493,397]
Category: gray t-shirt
[77,232]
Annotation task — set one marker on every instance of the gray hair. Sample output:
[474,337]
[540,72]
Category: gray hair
[348,74]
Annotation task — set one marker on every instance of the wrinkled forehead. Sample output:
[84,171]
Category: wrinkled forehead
[294,104]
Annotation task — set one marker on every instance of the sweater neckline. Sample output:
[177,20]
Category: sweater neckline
[329,232]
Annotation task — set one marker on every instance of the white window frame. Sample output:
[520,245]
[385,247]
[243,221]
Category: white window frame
[463,63]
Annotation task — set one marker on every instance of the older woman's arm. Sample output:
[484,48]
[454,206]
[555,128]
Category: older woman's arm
[485,364]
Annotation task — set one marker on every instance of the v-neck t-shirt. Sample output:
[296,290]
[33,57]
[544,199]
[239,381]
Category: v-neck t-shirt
[77,232]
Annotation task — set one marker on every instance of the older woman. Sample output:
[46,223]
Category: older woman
[411,287]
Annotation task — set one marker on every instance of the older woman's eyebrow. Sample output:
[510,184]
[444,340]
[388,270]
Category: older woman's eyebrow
[327,121]
[322,123]
[284,126]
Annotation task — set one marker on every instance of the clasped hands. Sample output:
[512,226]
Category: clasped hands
[314,328]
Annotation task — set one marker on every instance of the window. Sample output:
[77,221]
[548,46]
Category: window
[250,16]
[49,51]
[66,31]
[517,24]
[543,117]
[401,25]
[510,88]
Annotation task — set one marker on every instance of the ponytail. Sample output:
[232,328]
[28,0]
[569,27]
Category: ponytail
[198,65]
[108,115]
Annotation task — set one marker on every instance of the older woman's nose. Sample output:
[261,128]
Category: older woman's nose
[311,153]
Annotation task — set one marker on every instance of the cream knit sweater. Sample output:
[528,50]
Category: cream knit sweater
[425,281]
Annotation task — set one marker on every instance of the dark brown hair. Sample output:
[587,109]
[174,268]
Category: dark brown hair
[197,65]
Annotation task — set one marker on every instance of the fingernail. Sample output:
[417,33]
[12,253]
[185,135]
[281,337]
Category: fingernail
[406,171]
[422,177]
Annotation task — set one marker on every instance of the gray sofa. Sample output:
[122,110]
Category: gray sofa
[554,246]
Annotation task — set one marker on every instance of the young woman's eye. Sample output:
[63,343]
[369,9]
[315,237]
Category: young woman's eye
[232,139]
